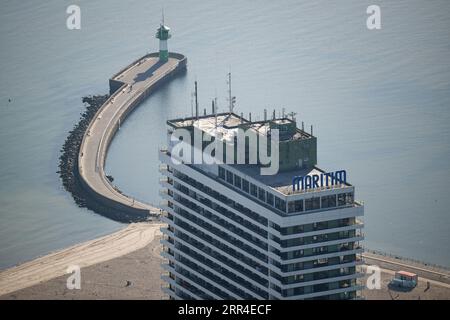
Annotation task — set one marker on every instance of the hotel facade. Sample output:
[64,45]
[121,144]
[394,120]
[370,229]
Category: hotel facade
[233,233]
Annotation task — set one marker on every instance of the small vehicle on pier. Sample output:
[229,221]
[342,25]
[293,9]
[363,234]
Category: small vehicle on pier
[404,279]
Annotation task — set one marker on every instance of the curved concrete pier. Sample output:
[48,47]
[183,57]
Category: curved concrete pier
[128,88]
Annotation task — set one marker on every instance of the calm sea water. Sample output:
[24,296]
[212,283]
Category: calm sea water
[379,102]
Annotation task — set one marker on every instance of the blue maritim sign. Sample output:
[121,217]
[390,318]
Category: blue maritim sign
[319,180]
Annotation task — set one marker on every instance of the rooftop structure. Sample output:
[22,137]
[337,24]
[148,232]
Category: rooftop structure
[297,148]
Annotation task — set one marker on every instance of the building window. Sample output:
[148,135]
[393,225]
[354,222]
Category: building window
[221,173]
[280,204]
[312,204]
[320,262]
[344,199]
[237,181]
[329,201]
[291,230]
[245,186]
[341,199]
[320,225]
[349,198]
[253,190]
[298,205]
[283,206]
[298,278]
[229,177]
[291,207]
[269,199]
[261,194]
[308,289]
[295,206]
[320,250]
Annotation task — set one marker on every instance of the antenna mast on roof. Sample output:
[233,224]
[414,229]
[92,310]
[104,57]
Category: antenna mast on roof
[215,111]
[292,114]
[196,101]
[192,107]
[231,99]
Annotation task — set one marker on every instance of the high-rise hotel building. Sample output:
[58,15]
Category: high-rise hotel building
[233,233]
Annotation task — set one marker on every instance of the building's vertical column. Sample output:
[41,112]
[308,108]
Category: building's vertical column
[271,263]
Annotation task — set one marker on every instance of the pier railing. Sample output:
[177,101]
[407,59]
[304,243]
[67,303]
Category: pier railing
[407,260]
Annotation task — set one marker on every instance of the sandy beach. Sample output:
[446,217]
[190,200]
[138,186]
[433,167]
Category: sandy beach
[127,265]
[133,237]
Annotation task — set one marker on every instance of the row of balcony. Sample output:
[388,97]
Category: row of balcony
[314,280]
[285,233]
[225,236]
[320,238]
[284,267]
[214,260]
[221,254]
[342,247]
[220,198]
[318,271]
[196,287]
[235,284]
[220,209]
[214,219]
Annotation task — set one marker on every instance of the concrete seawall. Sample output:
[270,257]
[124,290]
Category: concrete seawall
[129,87]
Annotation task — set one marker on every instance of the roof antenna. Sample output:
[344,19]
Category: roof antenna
[192,107]
[231,100]
[215,111]
[162,15]
[292,114]
[196,101]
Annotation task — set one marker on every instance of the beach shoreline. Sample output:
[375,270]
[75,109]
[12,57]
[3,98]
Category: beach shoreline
[127,265]
[40,270]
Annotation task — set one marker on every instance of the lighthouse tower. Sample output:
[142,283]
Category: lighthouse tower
[163,34]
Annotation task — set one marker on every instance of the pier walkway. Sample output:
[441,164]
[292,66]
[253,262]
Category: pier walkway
[128,89]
